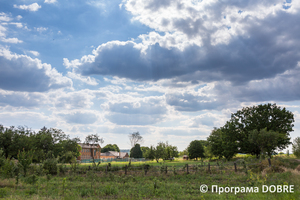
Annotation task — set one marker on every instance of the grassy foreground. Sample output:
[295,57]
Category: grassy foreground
[157,185]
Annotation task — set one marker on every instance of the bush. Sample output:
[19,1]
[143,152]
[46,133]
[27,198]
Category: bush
[50,166]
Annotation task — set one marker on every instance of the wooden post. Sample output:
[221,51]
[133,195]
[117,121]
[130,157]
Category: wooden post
[166,170]
[235,169]
[145,168]
[269,162]
[125,169]
[106,169]
[209,167]
[187,168]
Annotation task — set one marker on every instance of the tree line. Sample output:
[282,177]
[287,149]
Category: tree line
[46,143]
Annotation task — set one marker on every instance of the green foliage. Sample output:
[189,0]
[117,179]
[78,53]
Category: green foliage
[32,179]
[25,159]
[44,142]
[8,168]
[50,166]
[248,127]
[221,144]
[268,116]
[136,152]
[110,147]
[145,151]
[165,151]
[3,192]
[68,157]
[296,147]
[195,150]
[149,154]
[2,158]
[265,140]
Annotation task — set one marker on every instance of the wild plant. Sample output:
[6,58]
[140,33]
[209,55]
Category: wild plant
[25,159]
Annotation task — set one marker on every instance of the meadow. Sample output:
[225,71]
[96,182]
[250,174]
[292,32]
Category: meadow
[163,180]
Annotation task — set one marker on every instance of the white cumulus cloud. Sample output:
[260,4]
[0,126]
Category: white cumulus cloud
[32,7]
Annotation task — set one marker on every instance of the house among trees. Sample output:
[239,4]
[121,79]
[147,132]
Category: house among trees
[114,154]
[89,151]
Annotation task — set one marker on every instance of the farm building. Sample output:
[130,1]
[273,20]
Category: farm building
[114,154]
[89,151]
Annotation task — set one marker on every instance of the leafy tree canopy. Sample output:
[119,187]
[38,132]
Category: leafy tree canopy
[195,150]
[267,121]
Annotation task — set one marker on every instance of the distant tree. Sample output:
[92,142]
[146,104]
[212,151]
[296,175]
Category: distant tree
[136,152]
[195,150]
[159,151]
[165,151]
[296,147]
[145,150]
[135,138]
[110,147]
[149,154]
[170,152]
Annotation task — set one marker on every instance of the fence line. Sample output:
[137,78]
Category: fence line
[164,169]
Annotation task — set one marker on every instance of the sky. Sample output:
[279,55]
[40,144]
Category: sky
[170,69]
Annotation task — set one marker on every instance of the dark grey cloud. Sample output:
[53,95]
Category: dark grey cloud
[79,117]
[22,73]
[268,48]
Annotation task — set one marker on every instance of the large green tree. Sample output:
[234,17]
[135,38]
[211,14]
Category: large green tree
[195,150]
[234,136]
[269,116]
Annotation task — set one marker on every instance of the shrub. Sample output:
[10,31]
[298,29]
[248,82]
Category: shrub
[50,166]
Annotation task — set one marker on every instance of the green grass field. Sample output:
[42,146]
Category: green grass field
[157,184]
